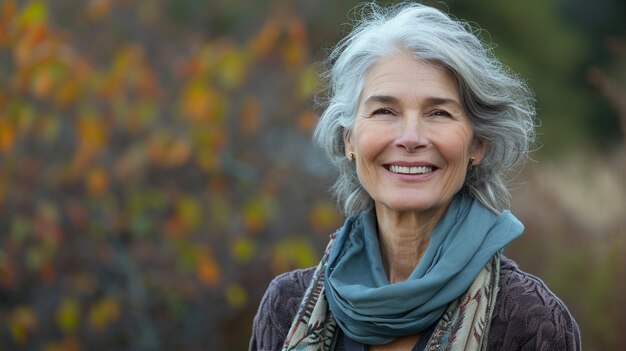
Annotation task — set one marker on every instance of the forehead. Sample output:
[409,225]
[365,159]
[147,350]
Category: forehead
[401,74]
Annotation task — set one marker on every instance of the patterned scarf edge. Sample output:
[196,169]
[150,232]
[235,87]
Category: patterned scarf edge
[313,327]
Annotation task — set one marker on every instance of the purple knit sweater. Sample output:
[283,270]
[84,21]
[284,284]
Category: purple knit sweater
[527,316]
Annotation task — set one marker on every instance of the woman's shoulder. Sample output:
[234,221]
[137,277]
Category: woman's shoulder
[528,315]
[277,309]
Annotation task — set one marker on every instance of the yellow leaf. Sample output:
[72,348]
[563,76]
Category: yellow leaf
[34,12]
[324,216]
[22,322]
[292,253]
[103,312]
[67,315]
[189,211]
[219,211]
[236,295]
[307,84]
[242,249]
[232,69]
[207,159]
[256,213]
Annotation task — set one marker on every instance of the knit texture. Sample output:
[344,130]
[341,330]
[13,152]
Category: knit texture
[527,315]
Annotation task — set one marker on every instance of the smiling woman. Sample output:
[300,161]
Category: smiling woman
[422,123]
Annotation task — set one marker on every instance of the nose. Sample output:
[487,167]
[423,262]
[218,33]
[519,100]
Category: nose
[411,135]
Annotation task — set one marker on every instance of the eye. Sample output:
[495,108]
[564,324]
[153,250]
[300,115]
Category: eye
[382,111]
[441,113]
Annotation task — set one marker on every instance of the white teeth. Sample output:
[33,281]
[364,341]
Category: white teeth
[410,170]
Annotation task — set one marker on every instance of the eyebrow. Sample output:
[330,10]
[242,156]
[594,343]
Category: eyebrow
[433,100]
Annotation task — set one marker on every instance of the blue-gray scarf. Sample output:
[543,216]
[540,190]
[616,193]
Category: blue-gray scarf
[372,311]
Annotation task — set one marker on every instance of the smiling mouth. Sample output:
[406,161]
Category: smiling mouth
[410,170]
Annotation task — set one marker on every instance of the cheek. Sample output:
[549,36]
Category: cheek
[366,140]
[455,145]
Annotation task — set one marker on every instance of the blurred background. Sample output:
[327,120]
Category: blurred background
[157,169]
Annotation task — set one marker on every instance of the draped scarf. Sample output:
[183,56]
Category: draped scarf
[350,288]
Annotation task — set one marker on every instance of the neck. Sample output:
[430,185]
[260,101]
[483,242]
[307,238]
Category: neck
[403,238]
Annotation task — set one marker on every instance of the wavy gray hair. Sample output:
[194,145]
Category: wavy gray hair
[499,104]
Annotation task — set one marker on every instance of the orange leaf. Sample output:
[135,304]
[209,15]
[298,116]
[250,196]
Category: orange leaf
[7,274]
[207,269]
[306,120]
[98,9]
[292,53]
[8,10]
[7,134]
[201,103]
[96,182]
[91,131]
[179,153]
[67,92]
[263,43]
[42,83]
[249,122]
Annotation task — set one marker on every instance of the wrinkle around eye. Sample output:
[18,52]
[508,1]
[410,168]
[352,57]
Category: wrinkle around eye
[382,111]
[445,113]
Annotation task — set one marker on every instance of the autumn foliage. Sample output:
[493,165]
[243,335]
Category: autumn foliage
[140,204]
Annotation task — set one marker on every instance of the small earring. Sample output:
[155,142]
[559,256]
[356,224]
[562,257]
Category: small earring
[351,156]
[470,166]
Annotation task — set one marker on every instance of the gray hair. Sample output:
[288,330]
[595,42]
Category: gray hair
[499,104]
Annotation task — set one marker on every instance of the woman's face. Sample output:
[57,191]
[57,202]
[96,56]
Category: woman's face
[412,139]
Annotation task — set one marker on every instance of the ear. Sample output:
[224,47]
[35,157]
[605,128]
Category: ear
[479,149]
[347,142]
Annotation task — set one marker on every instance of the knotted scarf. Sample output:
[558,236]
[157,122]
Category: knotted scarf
[372,311]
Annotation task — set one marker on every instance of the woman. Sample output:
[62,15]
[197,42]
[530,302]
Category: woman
[422,123]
